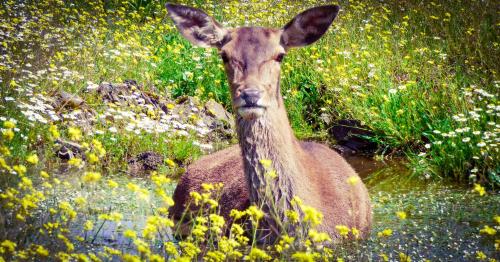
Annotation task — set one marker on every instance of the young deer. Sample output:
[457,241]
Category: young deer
[311,171]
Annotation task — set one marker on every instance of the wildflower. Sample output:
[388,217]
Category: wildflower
[214,256]
[401,215]
[255,213]
[272,174]
[41,251]
[292,215]
[385,233]
[54,132]
[20,169]
[8,134]
[74,133]
[312,215]
[88,225]
[170,163]
[487,230]
[353,180]
[355,232]
[91,177]
[8,245]
[171,249]
[497,219]
[481,255]
[44,174]
[130,234]
[266,163]
[76,162]
[189,249]
[32,159]
[9,124]
[479,189]
[303,257]
[92,158]
[257,254]
[404,257]
[343,230]
[318,236]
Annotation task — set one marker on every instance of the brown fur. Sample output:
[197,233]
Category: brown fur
[311,171]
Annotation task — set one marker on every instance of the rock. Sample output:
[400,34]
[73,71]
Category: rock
[67,100]
[68,150]
[217,111]
[350,133]
[144,163]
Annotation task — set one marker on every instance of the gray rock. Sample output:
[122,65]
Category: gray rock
[144,163]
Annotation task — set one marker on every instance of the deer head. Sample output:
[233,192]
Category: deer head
[252,55]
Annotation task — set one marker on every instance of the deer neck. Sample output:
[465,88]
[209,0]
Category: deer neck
[270,137]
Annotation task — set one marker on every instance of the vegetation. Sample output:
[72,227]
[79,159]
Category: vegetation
[423,76]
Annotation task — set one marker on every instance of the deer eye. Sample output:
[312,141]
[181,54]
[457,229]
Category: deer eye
[279,57]
[224,57]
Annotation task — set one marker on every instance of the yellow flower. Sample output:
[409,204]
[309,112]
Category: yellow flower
[20,169]
[479,189]
[255,213]
[92,158]
[312,215]
[257,254]
[401,215]
[8,245]
[90,177]
[343,230]
[266,163]
[353,180]
[9,124]
[272,174]
[32,159]
[54,132]
[76,162]
[404,257]
[74,133]
[130,234]
[44,174]
[41,251]
[385,233]
[112,184]
[487,230]
[170,162]
[8,134]
[481,255]
[303,257]
[497,219]
[88,225]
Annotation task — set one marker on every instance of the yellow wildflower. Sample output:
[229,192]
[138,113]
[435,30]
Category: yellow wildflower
[54,132]
[401,215]
[385,233]
[479,189]
[91,177]
[257,254]
[487,230]
[88,225]
[32,159]
[353,180]
[9,124]
[74,133]
[8,245]
[343,230]
[170,162]
[8,134]
[266,163]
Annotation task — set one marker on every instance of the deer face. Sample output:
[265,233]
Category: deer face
[252,55]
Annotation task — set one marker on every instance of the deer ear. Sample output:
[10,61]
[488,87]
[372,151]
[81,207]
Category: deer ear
[196,26]
[308,26]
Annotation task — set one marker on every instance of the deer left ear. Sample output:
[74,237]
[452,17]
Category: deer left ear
[308,26]
[196,26]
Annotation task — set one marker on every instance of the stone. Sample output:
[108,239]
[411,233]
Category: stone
[352,134]
[144,163]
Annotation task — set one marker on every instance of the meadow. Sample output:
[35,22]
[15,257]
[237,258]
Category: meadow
[422,76]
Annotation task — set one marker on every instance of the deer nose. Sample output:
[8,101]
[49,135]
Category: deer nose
[251,96]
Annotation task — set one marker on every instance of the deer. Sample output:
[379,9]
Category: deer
[317,175]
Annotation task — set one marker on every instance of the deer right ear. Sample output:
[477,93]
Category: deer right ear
[196,26]
[308,26]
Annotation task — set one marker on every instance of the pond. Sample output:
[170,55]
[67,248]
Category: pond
[442,221]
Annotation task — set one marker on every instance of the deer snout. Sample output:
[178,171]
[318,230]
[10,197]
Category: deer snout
[251,96]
